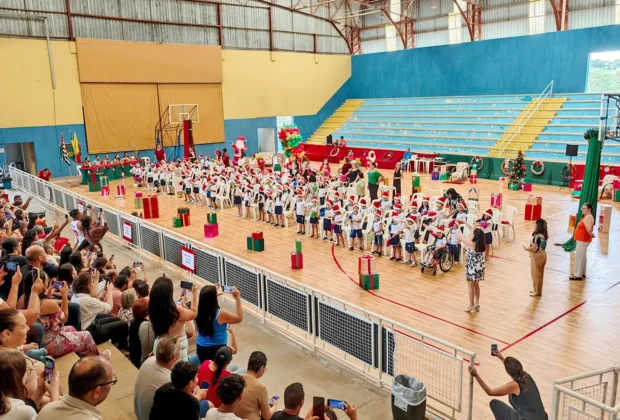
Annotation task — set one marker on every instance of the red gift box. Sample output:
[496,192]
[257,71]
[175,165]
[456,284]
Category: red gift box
[120,190]
[297,261]
[526,187]
[151,207]
[137,194]
[533,211]
[184,219]
[496,200]
[211,231]
[105,191]
[534,200]
[366,264]
[257,235]
[473,179]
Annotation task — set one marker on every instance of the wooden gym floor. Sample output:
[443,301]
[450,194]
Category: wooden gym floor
[571,329]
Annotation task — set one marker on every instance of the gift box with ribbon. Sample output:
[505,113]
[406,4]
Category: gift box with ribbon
[473,194]
[105,181]
[94,186]
[415,180]
[250,243]
[151,207]
[369,281]
[120,190]
[533,211]
[616,184]
[434,176]
[258,244]
[444,176]
[176,222]
[366,264]
[137,194]
[212,218]
[513,186]
[502,181]
[105,191]
[496,200]
[183,210]
[572,220]
[298,246]
[526,187]
[277,167]
[257,234]
[473,179]
[297,261]
[138,202]
[184,219]
[211,231]
[534,200]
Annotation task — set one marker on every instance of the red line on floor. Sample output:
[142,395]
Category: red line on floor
[412,308]
[557,318]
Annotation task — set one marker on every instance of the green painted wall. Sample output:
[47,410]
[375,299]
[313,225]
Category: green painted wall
[492,169]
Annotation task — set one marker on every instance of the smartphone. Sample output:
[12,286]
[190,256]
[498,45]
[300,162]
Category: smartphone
[186,285]
[10,267]
[57,285]
[183,293]
[204,385]
[339,404]
[273,399]
[49,368]
[137,264]
[36,273]
[227,289]
[493,349]
[318,407]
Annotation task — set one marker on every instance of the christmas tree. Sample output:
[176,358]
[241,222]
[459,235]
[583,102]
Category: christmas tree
[518,169]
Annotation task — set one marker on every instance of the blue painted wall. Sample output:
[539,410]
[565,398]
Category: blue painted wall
[308,124]
[502,66]
[46,144]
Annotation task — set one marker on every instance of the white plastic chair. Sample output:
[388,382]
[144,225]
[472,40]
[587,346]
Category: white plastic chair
[367,233]
[423,247]
[461,172]
[415,159]
[508,214]
[346,227]
[223,195]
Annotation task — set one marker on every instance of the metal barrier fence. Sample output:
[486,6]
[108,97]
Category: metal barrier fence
[588,396]
[367,343]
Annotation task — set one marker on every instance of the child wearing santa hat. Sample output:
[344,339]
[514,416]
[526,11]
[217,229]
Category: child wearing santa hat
[386,204]
[278,203]
[395,229]
[338,226]
[269,207]
[356,227]
[238,197]
[409,231]
[440,243]
[440,209]
[313,212]
[327,221]
[377,230]
[300,214]
[486,225]
[247,200]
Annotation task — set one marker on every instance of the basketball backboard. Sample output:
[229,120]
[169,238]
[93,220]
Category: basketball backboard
[177,113]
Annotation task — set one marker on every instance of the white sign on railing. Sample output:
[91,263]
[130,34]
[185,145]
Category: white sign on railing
[188,259]
[127,234]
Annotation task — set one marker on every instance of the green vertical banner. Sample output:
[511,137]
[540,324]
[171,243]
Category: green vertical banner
[589,190]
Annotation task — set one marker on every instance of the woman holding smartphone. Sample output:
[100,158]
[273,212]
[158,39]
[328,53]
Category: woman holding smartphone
[213,322]
[523,395]
[474,264]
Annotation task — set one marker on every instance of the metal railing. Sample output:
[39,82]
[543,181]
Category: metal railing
[365,342]
[523,119]
[587,396]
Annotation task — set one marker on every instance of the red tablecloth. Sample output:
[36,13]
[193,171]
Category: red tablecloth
[385,158]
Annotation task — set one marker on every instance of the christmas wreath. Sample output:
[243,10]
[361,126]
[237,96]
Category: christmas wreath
[478,161]
[537,167]
[334,152]
[507,165]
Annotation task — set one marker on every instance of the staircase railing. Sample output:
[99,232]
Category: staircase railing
[519,124]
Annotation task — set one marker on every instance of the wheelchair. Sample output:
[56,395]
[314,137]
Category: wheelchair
[443,258]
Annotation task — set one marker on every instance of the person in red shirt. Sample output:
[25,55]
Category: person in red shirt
[45,174]
[160,153]
[225,158]
[214,371]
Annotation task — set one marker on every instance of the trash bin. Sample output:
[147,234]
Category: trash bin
[408,398]
[7,181]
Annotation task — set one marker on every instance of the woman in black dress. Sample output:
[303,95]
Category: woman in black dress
[397,178]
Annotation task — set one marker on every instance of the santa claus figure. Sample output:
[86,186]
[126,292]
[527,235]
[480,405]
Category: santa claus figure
[239,147]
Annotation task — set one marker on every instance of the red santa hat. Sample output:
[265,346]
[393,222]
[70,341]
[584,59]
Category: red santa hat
[397,196]
[425,199]
[462,204]
[489,212]
[442,200]
[378,213]
[441,229]
[411,218]
[337,194]
[376,204]
[241,138]
[363,201]
[336,207]
[385,194]
[330,202]
[315,198]
[351,198]
[398,207]
[432,214]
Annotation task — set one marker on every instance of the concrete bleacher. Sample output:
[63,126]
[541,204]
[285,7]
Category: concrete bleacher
[461,125]
[578,114]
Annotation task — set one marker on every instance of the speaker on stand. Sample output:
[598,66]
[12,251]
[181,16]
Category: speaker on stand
[571,151]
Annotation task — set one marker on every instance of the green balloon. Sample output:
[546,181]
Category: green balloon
[288,153]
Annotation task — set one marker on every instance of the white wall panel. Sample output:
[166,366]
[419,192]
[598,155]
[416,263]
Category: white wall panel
[505,29]
[579,19]
[369,47]
[431,39]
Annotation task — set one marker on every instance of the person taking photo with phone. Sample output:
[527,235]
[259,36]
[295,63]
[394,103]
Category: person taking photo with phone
[523,395]
[255,403]
[212,322]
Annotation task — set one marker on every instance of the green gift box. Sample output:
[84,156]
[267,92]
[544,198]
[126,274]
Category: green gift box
[94,186]
[444,176]
[211,219]
[369,281]
[176,222]
[250,243]
[298,246]
[138,203]
[616,196]
[277,167]
[259,244]
[105,181]
[415,181]
[526,180]
[514,186]
[576,194]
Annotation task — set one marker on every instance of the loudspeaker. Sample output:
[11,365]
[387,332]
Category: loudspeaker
[329,140]
[572,149]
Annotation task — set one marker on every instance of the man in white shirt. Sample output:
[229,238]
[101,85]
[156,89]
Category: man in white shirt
[356,227]
[229,390]
[154,373]
[90,381]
